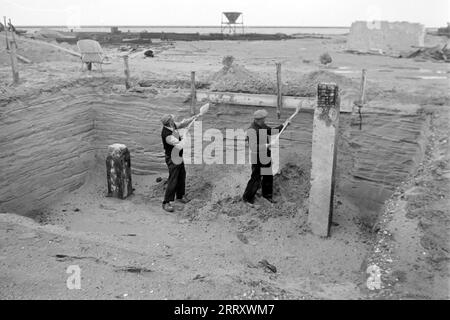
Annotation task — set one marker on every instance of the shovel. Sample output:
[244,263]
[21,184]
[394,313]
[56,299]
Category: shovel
[203,109]
[285,124]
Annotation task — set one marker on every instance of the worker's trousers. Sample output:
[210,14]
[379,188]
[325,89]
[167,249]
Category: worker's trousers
[256,180]
[176,182]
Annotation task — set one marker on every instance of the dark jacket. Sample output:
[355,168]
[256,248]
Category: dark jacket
[257,146]
[168,147]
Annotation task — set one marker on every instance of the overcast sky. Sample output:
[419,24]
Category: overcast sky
[432,13]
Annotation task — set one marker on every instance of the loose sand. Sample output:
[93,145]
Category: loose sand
[57,123]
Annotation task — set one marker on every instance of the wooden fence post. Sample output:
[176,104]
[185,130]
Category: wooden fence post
[279,90]
[14,65]
[193,93]
[127,72]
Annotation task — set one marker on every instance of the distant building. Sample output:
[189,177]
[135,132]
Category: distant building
[385,36]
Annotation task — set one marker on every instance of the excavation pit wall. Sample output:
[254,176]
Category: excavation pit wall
[52,140]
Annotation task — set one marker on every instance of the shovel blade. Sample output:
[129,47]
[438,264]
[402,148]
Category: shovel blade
[204,109]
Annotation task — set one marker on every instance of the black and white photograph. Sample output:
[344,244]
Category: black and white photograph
[238,152]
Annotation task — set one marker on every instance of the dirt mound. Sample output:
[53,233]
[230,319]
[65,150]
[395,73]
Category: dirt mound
[38,52]
[215,193]
[307,85]
[236,78]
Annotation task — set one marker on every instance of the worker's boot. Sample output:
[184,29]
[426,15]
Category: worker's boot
[270,199]
[168,207]
[183,200]
[249,203]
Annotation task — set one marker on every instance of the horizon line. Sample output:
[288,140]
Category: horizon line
[190,26]
[178,26]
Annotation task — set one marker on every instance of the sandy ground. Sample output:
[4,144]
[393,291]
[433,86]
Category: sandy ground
[134,249]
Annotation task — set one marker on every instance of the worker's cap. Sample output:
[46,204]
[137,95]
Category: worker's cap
[166,118]
[260,114]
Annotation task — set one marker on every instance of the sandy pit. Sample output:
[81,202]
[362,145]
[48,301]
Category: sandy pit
[56,126]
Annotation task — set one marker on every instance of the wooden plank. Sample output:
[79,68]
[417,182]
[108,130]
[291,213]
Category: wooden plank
[291,102]
[23,59]
[260,100]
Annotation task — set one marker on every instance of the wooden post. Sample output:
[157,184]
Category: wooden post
[193,93]
[323,158]
[13,34]
[127,72]
[363,87]
[14,65]
[6,33]
[357,105]
[279,90]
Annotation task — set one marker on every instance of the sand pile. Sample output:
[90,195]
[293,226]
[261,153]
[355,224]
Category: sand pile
[236,78]
[216,193]
[306,86]
[37,52]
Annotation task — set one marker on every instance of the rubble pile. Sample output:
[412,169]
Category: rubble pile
[436,53]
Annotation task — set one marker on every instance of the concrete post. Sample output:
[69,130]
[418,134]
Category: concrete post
[323,158]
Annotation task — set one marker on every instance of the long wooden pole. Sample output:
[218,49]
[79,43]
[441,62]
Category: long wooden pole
[14,67]
[363,86]
[279,90]
[13,33]
[6,33]
[193,93]
[127,72]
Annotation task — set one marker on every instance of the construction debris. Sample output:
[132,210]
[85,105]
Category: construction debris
[437,53]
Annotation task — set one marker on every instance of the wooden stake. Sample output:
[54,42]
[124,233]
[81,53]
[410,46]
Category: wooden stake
[363,86]
[193,93]
[13,34]
[279,90]
[6,33]
[14,67]
[127,72]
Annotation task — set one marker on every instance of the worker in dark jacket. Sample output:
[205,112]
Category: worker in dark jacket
[258,137]
[173,148]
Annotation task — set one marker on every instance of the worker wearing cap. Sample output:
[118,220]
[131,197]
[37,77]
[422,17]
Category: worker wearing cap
[173,145]
[258,137]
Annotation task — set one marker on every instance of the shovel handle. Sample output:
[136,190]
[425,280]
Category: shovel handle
[286,124]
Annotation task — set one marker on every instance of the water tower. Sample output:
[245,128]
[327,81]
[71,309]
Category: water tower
[231,22]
